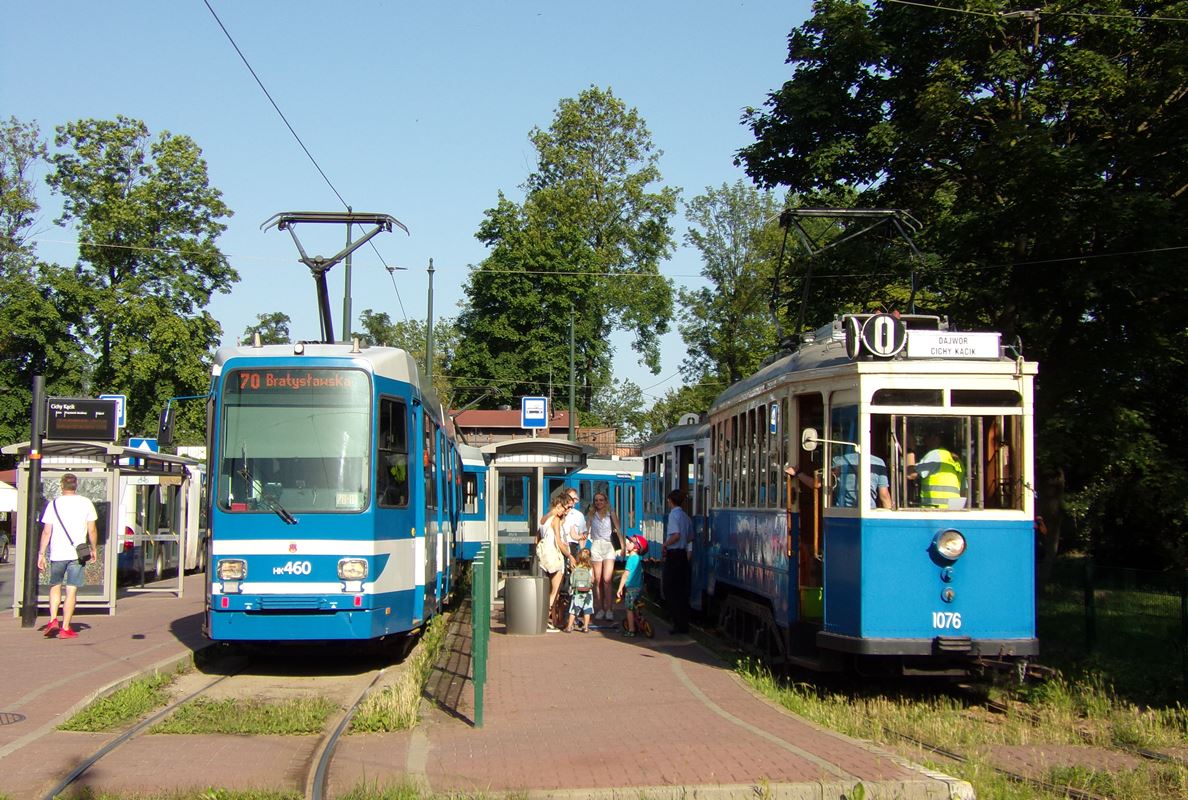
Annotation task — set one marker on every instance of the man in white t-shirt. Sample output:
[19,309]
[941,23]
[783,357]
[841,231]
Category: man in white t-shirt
[573,527]
[68,521]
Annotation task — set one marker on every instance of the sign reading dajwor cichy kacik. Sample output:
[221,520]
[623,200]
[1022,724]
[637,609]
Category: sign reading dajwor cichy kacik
[945,344]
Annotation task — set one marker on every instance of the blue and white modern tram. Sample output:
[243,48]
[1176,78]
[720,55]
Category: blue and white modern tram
[473,511]
[906,539]
[335,494]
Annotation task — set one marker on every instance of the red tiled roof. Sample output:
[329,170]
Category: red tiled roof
[487,419]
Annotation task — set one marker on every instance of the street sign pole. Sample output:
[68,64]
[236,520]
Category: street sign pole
[33,497]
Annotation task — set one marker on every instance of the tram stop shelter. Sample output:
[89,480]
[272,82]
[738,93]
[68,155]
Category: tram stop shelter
[527,467]
[126,485]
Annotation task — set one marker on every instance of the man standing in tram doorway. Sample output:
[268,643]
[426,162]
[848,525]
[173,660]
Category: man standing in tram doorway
[67,522]
[678,546]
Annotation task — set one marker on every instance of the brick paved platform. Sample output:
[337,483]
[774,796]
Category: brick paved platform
[566,715]
[596,715]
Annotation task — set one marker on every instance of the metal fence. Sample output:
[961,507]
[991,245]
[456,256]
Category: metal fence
[480,616]
[1121,613]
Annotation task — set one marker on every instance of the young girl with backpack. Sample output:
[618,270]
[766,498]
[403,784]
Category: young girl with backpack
[581,587]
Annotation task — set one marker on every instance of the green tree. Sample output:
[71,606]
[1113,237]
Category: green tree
[688,399]
[273,328]
[585,244]
[37,320]
[411,335]
[728,325]
[147,219]
[620,405]
[1046,159]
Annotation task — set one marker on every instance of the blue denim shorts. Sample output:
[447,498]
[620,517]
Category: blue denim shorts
[68,572]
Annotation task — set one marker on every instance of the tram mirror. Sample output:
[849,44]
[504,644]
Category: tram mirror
[809,441]
[165,426]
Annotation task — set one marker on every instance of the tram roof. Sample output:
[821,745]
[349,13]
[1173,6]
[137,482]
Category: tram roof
[826,349]
[677,433]
[537,450]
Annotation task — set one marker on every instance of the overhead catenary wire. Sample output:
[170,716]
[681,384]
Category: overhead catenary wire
[1036,12]
[293,131]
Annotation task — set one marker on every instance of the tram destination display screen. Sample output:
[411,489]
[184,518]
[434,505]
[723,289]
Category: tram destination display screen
[321,386]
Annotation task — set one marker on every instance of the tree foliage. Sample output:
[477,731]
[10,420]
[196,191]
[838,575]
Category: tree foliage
[272,327]
[147,219]
[37,319]
[585,244]
[412,336]
[728,325]
[1047,160]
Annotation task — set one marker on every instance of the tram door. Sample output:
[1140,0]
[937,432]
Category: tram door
[810,412]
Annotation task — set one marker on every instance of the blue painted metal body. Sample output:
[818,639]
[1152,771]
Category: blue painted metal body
[884,580]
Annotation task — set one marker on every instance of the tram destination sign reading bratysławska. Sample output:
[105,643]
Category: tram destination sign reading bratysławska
[81,419]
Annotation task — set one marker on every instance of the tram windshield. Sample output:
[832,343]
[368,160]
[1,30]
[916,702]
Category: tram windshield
[294,440]
[949,462]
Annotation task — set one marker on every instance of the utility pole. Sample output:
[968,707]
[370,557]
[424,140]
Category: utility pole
[346,294]
[33,500]
[572,378]
[429,330]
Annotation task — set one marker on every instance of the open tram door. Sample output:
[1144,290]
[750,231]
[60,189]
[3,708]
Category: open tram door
[804,506]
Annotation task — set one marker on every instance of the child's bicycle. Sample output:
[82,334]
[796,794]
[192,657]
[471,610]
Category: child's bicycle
[641,620]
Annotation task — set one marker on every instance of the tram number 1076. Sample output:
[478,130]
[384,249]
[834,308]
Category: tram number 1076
[946,619]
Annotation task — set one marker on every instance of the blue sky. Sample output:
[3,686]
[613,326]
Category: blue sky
[418,110]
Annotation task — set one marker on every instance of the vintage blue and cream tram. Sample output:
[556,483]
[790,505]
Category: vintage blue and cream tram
[335,493]
[905,541]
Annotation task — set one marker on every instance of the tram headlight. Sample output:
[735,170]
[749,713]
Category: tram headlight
[352,569]
[949,544]
[232,569]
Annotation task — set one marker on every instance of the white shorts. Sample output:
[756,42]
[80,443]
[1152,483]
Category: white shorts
[602,550]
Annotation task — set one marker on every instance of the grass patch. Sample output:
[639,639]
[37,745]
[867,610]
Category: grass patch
[1057,712]
[300,717]
[201,794]
[398,707]
[124,705]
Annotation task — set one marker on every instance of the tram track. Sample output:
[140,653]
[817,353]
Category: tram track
[240,678]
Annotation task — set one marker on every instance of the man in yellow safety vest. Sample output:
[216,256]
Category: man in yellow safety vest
[941,474]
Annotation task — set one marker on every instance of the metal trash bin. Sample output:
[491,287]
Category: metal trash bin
[524,601]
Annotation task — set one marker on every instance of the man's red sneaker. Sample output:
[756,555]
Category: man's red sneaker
[51,628]
[67,633]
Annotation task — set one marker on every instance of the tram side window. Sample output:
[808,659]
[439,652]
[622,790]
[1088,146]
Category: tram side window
[470,504]
[391,480]
[842,483]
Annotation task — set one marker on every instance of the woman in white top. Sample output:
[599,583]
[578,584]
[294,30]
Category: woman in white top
[550,548]
[603,524]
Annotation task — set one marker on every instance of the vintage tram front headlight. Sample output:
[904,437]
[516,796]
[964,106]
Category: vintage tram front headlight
[949,544]
[232,569]
[352,569]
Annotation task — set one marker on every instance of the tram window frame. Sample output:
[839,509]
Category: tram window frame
[470,492]
[991,481]
[843,435]
[391,445]
[285,469]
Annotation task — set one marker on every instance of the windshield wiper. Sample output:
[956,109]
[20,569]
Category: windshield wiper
[268,499]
